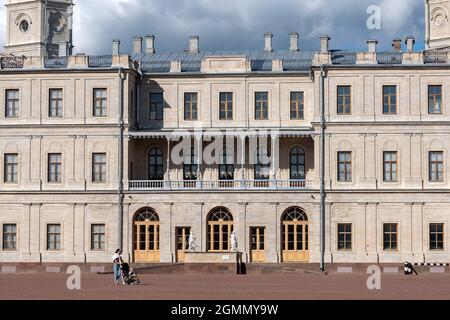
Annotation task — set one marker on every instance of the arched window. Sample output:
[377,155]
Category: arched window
[297,164]
[262,166]
[146,214]
[155,164]
[220,227]
[295,214]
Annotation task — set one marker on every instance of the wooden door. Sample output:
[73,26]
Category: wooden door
[257,244]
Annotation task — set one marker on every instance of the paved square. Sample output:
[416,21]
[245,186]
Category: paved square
[226,287]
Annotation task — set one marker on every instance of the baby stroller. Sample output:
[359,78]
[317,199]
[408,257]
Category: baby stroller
[129,276]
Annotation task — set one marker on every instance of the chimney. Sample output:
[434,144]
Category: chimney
[194,44]
[294,41]
[397,45]
[268,41]
[372,46]
[410,41]
[137,45]
[116,47]
[150,44]
[63,49]
[324,44]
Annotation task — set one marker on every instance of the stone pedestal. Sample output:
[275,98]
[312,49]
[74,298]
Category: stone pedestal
[212,257]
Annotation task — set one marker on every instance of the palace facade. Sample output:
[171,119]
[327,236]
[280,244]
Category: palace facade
[92,156]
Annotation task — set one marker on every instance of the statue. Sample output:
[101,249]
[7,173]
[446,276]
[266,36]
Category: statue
[234,242]
[191,242]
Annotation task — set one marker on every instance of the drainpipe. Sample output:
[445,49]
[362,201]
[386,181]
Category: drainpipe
[120,161]
[322,167]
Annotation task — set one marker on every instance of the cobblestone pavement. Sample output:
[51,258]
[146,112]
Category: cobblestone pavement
[225,287]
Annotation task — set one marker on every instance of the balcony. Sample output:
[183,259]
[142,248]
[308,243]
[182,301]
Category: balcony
[273,185]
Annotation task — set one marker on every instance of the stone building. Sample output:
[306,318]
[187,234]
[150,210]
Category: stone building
[319,156]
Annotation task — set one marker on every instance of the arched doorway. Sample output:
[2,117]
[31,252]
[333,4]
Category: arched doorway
[295,235]
[220,227]
[146,236]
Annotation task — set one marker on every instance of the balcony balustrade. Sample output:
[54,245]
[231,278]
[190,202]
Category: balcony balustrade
[147,185]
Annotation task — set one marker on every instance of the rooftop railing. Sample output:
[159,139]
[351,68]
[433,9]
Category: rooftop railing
[12,62]
[390,57]
[435,57]
[104,61]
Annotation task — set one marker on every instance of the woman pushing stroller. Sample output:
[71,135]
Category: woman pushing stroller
[122,269]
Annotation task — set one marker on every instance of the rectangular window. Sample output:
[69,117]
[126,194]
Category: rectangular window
[344,166]
[436,159]
[390,166]
[190,166]
[12,103]
[100,102]
[54,168]
[226,106]
[435,99]
[156,106]
[436,236]
[11,169]
[344,236]
[55,103]
[389,99]
[98,167]
[54,237]
[190,106]
[98,236]
[390,236]
[261,105]
[9,242]
[297,105]
[344,100]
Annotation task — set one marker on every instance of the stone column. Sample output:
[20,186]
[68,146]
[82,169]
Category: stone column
[275,154]
[200,228]
[417,159]
[241,231]
[315,176]
[372,163]
[243,175]
[417,232]
[167,254]
[36,243]
[35,165]
[371,232]
[80,174]
[273,236]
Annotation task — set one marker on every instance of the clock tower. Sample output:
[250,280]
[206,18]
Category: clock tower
[37,27]
[437,25]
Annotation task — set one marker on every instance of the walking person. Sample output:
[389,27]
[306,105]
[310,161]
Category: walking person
[117,259]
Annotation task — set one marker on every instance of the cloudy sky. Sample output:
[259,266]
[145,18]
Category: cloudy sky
[239,24]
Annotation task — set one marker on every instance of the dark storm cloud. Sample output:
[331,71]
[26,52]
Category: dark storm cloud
[240,24]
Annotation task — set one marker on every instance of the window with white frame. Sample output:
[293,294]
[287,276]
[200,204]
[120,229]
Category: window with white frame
[98,237]
[9,239]
[11,168]
[99,167]
[53,237]
[12,103]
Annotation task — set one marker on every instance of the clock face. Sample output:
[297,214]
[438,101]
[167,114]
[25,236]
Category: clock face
[58,23]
